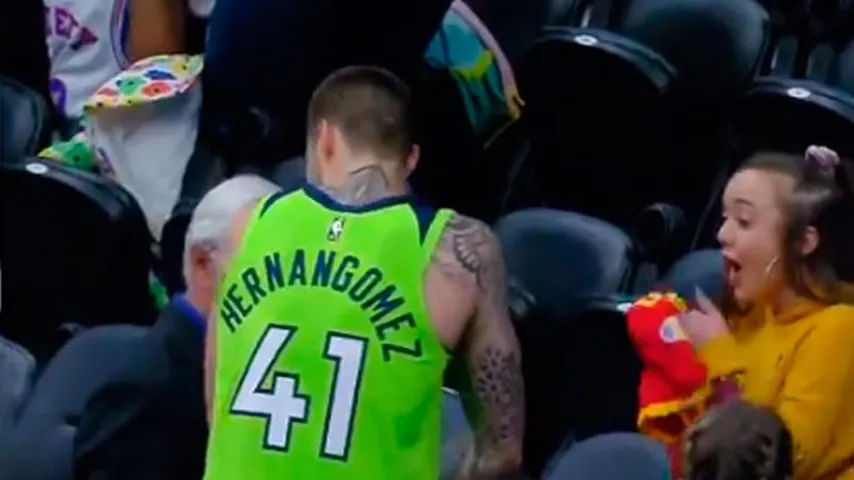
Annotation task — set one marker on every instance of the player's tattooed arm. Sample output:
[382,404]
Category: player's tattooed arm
[470,256]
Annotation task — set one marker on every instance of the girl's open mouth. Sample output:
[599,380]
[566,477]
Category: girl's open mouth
[732,268]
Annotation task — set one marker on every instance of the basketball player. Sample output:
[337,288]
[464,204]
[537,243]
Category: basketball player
[344,304]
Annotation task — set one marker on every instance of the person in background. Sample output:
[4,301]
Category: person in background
[148,422]
[739,441]
[343,305]
[783,334]
[90,41]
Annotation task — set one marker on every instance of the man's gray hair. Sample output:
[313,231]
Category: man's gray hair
[212,218]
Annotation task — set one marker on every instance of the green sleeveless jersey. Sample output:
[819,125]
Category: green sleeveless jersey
[327,364]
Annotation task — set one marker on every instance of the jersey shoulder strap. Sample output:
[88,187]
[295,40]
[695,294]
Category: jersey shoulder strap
[435,229]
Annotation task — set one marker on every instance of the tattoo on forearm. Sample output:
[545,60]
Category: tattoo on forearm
[498,382]
[364,185]
[470,255]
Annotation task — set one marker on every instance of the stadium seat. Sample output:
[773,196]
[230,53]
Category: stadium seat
[312,39]
[616,456]
[564,258]
[17,368]
[596,104]
[456,433]
[614,93]
[569,266]
[23,120]
[75,249]
[721,42]
[699,269]
[794,104]
[40,444]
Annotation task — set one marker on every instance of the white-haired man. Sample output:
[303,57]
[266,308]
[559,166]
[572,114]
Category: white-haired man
[149,421]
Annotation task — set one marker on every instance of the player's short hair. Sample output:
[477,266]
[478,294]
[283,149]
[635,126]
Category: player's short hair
[371,107]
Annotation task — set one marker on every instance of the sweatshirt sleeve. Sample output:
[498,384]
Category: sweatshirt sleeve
[818,386]
[721,357]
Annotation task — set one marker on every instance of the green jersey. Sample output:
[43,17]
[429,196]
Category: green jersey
[327,364]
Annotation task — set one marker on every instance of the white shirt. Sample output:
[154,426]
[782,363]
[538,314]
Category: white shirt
[86,43]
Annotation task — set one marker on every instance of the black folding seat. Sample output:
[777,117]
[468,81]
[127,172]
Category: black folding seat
[579,366]
[40,444]
[17,371]
[23,120]
[610,96]
[791,108]
[792,105]
[312,39]
[75,250]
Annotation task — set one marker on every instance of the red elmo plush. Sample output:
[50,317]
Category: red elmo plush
[673,394]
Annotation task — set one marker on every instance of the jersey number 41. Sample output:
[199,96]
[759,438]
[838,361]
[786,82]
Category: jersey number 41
[282,405]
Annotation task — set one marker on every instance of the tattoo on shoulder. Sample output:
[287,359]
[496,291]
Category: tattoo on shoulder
[470,245]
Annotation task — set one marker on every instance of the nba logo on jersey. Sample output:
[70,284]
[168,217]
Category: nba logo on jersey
[336,228]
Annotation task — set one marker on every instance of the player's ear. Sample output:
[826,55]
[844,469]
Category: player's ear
[325,147]
[412,159]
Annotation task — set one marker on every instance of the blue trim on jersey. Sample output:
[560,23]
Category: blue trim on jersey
[195,316]
[425,216]
[270,201]
[322,198]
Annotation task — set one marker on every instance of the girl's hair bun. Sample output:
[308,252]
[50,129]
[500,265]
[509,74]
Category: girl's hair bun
[824,158]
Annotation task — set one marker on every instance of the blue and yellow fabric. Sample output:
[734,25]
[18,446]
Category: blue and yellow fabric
[464,47]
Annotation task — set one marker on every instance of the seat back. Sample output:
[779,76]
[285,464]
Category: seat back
[312,39]
[597,103]
[617,456]
[701,269]
[564,258]
[564,262]
[17,368]
[23,120]
[74,238]
[40,445]
[721,42]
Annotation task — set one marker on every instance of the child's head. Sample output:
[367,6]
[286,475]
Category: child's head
[739,441]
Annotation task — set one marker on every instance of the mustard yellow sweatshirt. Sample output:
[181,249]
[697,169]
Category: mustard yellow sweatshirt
[801,364]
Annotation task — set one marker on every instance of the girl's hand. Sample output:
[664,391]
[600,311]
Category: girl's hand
[704,323]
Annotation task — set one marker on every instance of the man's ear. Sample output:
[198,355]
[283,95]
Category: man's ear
[809,241]
[412,159]
[200,261]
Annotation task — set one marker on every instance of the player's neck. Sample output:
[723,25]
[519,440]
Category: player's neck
[364,184]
